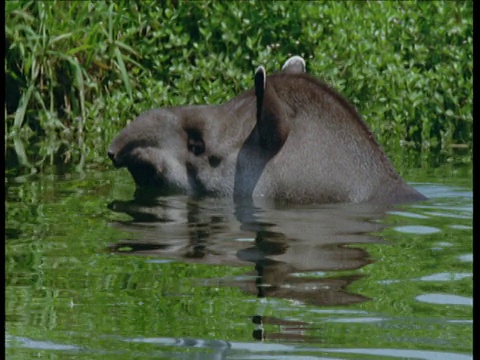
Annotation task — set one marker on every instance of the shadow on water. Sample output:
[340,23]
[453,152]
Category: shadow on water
[288,247]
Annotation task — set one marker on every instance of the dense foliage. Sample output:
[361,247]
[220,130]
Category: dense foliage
[76,72]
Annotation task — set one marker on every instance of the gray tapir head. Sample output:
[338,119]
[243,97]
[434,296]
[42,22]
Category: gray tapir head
[291,138]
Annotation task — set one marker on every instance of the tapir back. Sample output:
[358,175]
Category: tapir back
[329,154]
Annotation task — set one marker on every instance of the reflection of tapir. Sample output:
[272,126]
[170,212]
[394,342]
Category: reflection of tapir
[292,252]
[291,138]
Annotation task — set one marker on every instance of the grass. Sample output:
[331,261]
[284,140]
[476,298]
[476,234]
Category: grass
[76,72]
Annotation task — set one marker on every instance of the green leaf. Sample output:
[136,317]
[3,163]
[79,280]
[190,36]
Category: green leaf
[123,72]
[22,108]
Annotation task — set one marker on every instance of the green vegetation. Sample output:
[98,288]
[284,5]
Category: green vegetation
[76,72]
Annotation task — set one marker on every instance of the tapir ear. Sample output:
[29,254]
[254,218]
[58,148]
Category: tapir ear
[260,84]
[272,123]
[294,65]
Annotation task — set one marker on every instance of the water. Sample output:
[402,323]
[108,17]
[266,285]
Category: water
[93,271]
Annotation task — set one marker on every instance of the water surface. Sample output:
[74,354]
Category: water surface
[95,270]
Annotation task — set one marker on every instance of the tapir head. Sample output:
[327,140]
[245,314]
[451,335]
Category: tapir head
[291,137]
[194,149]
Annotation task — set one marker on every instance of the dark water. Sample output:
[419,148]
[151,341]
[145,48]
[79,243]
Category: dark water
[93,271]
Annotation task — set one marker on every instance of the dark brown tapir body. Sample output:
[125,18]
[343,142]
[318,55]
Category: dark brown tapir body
[291,138]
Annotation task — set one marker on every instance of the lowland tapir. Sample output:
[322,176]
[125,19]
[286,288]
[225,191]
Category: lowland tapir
[292,138]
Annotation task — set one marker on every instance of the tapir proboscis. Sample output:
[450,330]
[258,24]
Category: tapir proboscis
[291,138]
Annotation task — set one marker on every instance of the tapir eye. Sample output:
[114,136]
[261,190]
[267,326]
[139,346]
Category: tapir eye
[195,142]
[196,147]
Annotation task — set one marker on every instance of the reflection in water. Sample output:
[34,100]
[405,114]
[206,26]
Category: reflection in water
[281,243]
[289,330]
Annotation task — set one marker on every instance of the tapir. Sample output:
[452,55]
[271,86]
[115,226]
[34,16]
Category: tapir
[292,138]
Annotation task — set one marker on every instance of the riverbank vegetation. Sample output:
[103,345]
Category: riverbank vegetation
[77,72]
